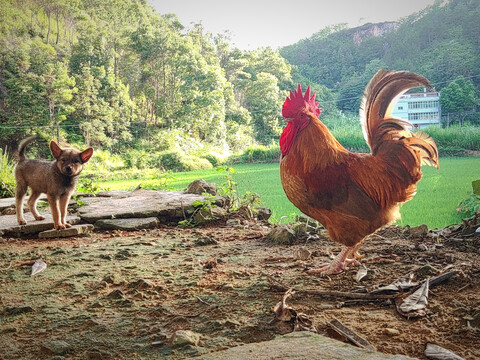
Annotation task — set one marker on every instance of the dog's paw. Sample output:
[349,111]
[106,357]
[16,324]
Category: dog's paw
[22,222]
[38,218]
[67,225]
[60,227]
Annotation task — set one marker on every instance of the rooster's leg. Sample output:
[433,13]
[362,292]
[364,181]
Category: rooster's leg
[339,263]
[353,254]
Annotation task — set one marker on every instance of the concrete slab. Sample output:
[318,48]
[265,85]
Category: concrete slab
[73,231]
[300,345]
[10,227]
[127,224]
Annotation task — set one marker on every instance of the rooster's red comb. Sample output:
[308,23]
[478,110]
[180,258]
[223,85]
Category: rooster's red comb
[298,101]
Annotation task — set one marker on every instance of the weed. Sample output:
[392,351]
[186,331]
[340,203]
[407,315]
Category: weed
[87,185]
[7,176]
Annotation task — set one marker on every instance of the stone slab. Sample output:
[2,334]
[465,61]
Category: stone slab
[139,204]
[10,202]
[300,345]
[127,224]
[73,231]
[10,227]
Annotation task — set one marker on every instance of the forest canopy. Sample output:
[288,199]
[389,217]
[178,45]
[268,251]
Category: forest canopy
[115,74]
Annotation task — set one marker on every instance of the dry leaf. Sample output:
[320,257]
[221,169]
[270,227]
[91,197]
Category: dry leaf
[282,311]
[433,351]
[415,304]
[361,273]
[418,300]
[402,284]
[37,267]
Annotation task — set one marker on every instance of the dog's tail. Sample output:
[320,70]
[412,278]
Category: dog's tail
[21,147]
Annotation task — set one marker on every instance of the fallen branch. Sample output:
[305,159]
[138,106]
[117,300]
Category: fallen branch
[331,293]
[437,280]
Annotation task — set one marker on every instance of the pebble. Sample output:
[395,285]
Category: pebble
[186,337]
[392,332]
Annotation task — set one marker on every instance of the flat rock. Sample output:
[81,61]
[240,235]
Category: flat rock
[72,231]
[10,227]
[300,345]
[167,205]
[6,203]
[126,224]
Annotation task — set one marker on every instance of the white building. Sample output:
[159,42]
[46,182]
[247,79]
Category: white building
[421,109]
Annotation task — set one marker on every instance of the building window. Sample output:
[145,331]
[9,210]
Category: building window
[400,108]
[423,116]
[423,104]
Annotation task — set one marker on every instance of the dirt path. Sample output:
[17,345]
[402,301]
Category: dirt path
[175,293]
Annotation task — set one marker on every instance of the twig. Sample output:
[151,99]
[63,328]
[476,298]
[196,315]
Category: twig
[198,313]
[203,301]
[332,293]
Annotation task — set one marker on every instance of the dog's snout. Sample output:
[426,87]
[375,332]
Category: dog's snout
[68,169]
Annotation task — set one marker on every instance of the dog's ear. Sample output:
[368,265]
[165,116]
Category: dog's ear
[55,149]
[86,155]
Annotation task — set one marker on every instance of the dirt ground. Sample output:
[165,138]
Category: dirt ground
[126,295]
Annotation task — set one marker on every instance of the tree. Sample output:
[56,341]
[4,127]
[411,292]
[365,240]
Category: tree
[457,98]
[264,101]
[59,89]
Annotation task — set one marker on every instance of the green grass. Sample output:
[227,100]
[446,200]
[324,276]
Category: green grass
[439,192]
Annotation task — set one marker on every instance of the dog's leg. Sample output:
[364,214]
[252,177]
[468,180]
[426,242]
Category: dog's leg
[54,207]
[32,205]
[20,194]
[64,200]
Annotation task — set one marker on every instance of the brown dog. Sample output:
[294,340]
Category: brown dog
[57,179]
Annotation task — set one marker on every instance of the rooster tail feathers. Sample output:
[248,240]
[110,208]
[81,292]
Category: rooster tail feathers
[377,103]
[376,115]
[426,148]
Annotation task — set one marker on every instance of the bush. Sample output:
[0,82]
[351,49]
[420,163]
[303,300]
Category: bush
[175,161]
[7,176]
[170,161]
[258,154]
[455,140]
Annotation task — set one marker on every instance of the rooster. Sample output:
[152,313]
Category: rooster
[353,194]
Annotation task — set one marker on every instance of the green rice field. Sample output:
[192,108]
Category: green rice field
[439,191]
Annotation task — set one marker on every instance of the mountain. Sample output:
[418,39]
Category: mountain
[441,42]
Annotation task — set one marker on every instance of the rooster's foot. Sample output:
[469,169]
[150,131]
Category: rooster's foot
[328,269]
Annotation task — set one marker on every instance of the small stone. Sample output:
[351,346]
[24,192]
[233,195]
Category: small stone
[140,284]
[391,332]
[281,235]
[264,214]
[419,231]
[186,337]
[199,187]
[205,215]
[302,254]
[233,222]
[115,294]
[205,240]
[56,347]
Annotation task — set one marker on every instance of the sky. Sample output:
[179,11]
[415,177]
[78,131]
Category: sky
[276,23]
